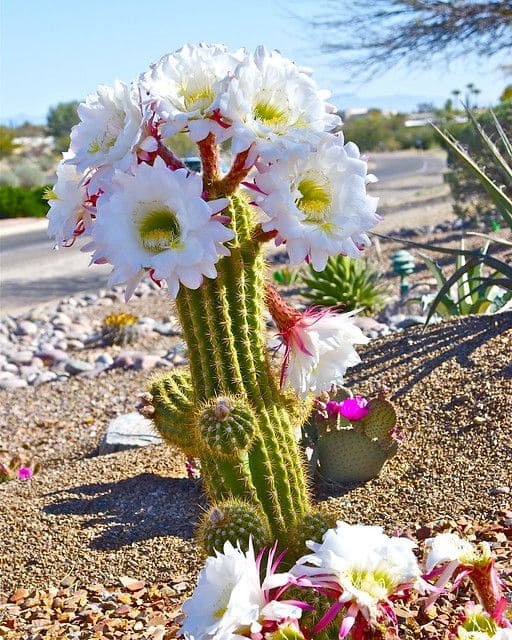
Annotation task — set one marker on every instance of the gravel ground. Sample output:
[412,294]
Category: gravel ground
[86,519]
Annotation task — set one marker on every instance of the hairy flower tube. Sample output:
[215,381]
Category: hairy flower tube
[364,570]
[452,558]
[318,345]
[231,601]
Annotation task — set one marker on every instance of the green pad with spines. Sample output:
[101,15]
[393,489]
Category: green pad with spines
[380,419]
[348,456]
[234,521]
[173,401]
[227,425]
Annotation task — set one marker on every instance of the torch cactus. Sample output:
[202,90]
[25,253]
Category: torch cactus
[203,235]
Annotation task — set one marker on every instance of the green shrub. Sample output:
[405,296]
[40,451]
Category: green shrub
[19,202]
[352,284]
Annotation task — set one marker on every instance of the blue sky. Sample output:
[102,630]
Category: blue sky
[58,50]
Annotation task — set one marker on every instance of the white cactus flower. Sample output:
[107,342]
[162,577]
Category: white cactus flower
[156,220]
[273,106]
[67,214]
[318,203]
[184,87]
[366,566]
[230,599]
[109,129]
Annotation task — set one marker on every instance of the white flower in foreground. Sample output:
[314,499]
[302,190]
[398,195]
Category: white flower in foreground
[67,216]
[271,103]
[449,557]
[109,128]
[184,86]
[479,625]
[318,203]
[156,220]
[448,547]
[366,568]
[230,600]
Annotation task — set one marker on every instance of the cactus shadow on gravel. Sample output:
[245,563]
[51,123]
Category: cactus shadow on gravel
[132,510]
[424,350]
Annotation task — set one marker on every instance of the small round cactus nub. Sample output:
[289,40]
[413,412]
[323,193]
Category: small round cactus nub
[170,405]
[312,527]
[234,521]
[227,426]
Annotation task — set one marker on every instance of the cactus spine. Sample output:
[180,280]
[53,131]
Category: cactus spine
[235,418]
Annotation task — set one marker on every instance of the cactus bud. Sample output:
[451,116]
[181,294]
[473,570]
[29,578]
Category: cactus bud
[222,408]
[234,521]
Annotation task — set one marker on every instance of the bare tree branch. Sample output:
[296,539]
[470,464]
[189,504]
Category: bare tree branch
[377,35]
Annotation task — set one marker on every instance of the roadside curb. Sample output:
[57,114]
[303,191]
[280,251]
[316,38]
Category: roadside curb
[15,226]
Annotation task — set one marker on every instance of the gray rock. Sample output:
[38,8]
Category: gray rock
[147,361]
[26,328]
[128,431]
[105,358]
[12,383]
[74,367]
[411,321]
[21,357]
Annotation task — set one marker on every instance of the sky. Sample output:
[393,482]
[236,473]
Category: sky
[55,51]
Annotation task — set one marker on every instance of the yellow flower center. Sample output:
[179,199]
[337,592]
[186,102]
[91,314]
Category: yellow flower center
[378,583]
[197,98]
[316,197]
[159,230]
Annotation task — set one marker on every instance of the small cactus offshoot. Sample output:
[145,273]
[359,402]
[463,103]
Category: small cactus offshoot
[234,521]
[119,328]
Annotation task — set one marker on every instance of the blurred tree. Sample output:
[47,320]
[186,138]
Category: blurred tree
[507,93]
[7,145]
[384,33]
[60,120]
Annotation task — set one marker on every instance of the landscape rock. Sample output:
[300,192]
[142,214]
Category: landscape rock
[128,431]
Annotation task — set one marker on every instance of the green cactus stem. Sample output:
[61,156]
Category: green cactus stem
[230,413]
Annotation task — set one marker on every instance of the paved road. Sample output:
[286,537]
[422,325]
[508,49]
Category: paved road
[31,273]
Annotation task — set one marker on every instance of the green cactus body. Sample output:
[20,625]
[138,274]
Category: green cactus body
[356,452]
[250,453]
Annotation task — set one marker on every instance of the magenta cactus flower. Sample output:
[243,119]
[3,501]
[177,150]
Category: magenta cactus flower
[354,409]
[24,473]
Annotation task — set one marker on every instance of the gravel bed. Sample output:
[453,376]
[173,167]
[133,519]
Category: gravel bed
[86,519]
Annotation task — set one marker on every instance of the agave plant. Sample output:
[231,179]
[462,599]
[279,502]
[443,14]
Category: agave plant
[476,292]
[346,283]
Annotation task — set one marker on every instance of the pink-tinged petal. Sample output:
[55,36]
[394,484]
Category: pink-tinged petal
[346,626]
[332,612]
[132,284]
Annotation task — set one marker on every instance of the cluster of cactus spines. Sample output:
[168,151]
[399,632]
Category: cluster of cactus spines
[224,327]
[170,405]
[227,425]
[312,527]
[235,521]
[119,328]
